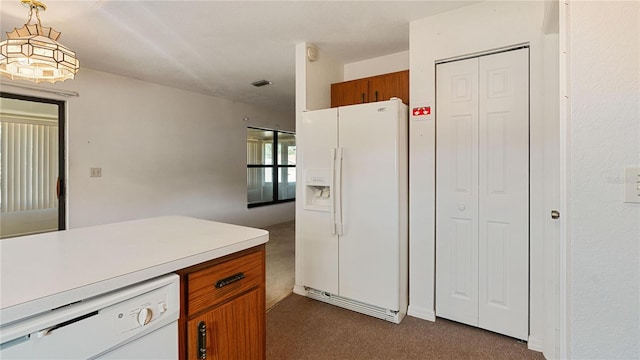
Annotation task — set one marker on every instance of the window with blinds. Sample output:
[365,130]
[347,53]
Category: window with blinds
[29,164]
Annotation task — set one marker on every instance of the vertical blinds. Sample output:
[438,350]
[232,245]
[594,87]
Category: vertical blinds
[28,166]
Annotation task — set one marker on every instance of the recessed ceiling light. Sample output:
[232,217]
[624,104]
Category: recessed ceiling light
[260,83]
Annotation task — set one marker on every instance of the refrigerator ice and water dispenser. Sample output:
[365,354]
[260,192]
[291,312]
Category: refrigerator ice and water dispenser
[317,189]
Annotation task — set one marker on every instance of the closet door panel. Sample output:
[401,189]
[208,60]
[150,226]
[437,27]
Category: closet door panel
[504,192]
[457,192]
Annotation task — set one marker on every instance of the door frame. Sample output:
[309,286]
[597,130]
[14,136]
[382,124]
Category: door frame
[563,298]
[62,197]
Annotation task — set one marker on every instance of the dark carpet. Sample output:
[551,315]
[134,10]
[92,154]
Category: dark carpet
[302,328]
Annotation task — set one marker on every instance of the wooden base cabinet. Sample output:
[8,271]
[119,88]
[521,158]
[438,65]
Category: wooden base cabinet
[223,313]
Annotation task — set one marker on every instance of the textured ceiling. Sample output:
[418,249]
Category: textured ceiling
[219,47]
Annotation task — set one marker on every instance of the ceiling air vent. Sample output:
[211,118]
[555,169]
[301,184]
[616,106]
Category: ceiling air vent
[260,83]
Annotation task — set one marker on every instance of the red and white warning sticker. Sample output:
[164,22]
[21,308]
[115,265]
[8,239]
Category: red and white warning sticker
[422,112]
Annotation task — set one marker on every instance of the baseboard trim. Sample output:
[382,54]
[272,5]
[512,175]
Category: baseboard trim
[535,344]
[421,313]
[300,290]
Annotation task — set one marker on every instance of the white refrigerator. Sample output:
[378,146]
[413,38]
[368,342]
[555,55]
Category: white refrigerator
[352,208]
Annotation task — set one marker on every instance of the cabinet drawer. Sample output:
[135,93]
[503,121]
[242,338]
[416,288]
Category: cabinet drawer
[221,282]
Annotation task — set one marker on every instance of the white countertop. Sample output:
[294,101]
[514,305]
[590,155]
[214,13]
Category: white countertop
[45,271]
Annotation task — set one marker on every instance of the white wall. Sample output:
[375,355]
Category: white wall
[604,70]
[469,30]
[318,75]
[376,66]
[162,151]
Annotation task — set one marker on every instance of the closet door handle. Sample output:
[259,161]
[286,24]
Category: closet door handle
[202,340]
[362,96]
[376,95]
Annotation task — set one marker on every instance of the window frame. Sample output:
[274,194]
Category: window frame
[274,166]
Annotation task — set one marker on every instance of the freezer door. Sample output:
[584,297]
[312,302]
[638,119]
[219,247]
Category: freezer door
[317,241]
[373,140]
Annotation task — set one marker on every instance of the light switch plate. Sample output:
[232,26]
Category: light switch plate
[632,184]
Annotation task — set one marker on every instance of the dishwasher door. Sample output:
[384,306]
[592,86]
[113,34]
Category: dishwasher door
[139,321]
[147,346]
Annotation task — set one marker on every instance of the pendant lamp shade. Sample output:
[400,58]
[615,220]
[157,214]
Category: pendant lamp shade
[33,52]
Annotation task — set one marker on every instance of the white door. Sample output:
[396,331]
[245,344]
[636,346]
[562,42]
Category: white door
[32,166]
[482,229]
[504,193]
[370,241]
[317,138]
[457,191]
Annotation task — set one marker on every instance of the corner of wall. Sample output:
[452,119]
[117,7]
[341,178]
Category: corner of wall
[421,313]
[320,74]
[301,77]
[301,105]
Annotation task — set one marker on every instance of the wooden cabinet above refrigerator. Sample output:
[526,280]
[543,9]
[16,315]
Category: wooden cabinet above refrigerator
[371,89]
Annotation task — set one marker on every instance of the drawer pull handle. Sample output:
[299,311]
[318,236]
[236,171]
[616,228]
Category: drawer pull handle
[202,340]
[229,280]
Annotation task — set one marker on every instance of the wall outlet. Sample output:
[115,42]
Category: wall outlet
[632,184]
[95,172]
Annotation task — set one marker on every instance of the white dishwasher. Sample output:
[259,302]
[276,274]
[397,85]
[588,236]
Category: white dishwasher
[136,322]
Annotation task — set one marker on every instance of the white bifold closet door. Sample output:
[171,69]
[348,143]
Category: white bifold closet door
[482,192]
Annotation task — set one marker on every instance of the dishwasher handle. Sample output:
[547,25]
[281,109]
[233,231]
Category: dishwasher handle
[202,340]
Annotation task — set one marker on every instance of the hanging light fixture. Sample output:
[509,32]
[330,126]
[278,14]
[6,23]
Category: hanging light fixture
[33,52]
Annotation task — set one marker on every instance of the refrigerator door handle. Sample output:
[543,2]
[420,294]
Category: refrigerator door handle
[332,194]
[339,224]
